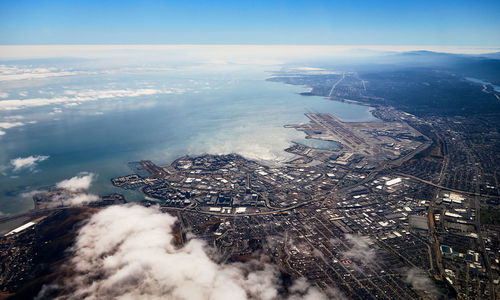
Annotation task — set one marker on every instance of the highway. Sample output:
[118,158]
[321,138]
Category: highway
[444,187]
[212,213]
[335,85]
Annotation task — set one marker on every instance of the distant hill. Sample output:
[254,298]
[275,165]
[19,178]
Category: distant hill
[495,55]
[485,67]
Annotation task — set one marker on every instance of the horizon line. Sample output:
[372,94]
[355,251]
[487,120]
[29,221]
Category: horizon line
[252,44]
[10,50]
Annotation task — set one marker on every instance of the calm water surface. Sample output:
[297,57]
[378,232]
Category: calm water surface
[212,110]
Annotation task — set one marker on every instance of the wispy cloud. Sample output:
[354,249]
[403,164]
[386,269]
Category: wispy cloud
[359,250]
[10,73]
[249,142]
[74,97]
[29,162]
[80,199]
[32,193]
[302,290]
[420,281]
[70,192]
[7,125]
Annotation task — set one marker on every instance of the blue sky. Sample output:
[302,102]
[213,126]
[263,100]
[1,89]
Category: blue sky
[384,22]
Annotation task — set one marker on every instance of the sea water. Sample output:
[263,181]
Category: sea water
[208,109]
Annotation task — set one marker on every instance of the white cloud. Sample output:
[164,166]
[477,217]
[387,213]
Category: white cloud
[302,290]
[8,122]
[10,73]
[80,199]
[7,125]
[71,192]
[80,182]
[32,193]
[4,95]
[63,198]
[13,118]
[127,252]
[359,250]
[29,162]
[76,97]
[420,281]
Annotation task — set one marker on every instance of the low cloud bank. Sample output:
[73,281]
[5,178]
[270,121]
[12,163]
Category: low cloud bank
[127,252]
[29,162]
